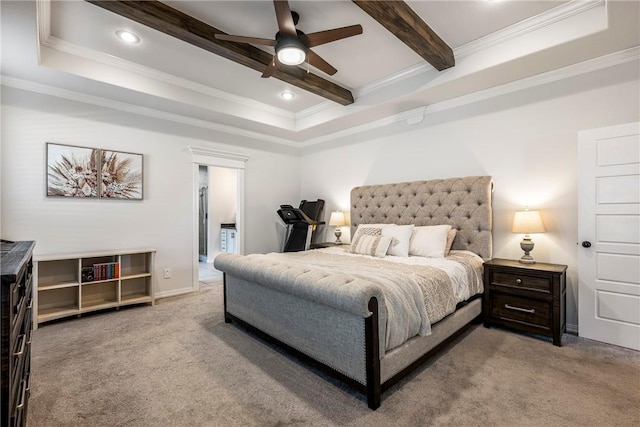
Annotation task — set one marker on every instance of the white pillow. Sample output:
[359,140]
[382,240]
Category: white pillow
[374,245]
[429,241]
[400,239]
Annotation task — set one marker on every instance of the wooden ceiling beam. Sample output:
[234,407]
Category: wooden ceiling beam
[397,17]
[163,18]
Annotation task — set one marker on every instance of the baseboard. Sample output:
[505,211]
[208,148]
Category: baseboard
[572,329]
[173,293]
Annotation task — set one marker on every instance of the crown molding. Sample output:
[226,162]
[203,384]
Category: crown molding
[411,116]
[618,58]
[544,19]
[40,88]
[522,28]
[46,39]
[628,55]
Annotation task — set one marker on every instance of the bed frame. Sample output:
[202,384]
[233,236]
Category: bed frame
[332,321]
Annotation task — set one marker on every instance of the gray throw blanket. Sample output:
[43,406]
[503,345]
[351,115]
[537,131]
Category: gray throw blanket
[415,296]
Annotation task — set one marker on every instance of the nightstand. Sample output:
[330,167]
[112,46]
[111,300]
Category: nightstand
[325,245]
[526,297]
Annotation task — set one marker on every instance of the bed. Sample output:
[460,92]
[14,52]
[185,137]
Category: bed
[338,316]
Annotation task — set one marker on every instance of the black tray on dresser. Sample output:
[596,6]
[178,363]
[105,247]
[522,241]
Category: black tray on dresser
[16,321]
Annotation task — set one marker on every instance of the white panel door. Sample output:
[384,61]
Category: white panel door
[609,233]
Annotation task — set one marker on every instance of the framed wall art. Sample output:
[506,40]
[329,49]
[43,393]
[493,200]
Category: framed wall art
[72,171]
[121,175]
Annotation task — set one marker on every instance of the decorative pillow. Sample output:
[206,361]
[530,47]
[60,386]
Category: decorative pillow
[450,236]
[400,239]
[370,229]
[429,241]
[369,244]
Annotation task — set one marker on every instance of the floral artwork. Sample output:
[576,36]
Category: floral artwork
[121,175]
[72,171]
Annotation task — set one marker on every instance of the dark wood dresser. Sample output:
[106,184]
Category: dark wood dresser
[15,325]
[526,297]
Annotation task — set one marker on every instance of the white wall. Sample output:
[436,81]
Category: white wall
[527,141]
[163,220]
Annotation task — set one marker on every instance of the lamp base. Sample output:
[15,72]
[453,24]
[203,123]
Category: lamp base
[527,246]
[338,233]
[527,259]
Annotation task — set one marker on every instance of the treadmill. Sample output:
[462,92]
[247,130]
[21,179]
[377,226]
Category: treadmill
[301,224]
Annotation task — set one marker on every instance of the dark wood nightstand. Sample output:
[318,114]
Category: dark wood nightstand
[526,297]
[325,245]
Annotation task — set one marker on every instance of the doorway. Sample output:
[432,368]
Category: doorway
[218,211]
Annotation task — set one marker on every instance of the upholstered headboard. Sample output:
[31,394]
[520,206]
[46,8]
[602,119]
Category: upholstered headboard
[464,203]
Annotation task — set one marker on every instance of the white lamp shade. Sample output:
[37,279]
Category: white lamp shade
[337,219]
[527,222]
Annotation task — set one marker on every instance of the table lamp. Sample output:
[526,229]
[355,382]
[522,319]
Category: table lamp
[526,222]
[337,220]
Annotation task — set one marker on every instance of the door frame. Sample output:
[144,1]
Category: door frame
[211,157]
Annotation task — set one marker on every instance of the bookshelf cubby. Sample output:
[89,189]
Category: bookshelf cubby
[72,284]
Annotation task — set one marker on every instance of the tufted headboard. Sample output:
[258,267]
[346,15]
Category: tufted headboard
[464,203]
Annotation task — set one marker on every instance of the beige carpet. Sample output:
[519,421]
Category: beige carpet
[179,364]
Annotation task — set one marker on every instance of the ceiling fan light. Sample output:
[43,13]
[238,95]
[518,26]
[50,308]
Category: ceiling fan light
[291,55]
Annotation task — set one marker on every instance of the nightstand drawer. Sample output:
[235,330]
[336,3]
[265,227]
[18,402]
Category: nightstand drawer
[531,311]
[523,281]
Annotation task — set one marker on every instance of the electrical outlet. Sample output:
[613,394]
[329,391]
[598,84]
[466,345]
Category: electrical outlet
[167,273]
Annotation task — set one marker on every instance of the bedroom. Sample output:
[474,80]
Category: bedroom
[524,137]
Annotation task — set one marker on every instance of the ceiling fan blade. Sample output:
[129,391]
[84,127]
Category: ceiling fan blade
[285,20]
[319,63]
[322,37]
[242,39]
[268,72]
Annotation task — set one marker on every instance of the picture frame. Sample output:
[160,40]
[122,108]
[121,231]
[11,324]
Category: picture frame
[121,175]
[72,171]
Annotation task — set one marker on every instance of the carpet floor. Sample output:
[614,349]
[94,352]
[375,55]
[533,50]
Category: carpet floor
[178,364]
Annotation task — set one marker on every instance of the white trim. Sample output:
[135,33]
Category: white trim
[216,158]
[173,293]
[221,158]
[137,109]
[628,55]
[544,19]
[617,58]
[519,29]
[572,329]
[549,17]
[43,12]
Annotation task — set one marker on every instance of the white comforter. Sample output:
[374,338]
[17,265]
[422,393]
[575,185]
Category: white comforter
[417,291]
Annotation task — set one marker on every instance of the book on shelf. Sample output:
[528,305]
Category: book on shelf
[106,271]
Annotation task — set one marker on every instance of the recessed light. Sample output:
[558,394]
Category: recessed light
[287,96]
[127,36]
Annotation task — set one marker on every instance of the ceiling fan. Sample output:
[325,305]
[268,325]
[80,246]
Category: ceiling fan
[293,47]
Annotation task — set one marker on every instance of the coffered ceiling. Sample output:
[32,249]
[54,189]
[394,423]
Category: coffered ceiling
[70,47]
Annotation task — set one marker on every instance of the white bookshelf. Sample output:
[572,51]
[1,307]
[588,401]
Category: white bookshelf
[59,289]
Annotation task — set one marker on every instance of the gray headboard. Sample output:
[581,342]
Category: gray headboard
[464,203]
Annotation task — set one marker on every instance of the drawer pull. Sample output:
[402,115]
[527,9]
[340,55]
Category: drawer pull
[24,342]
[20,406]
[518,281]
[526,310]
